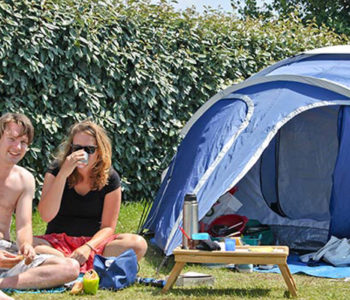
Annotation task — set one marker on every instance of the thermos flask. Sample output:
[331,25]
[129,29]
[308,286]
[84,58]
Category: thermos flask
[190,220]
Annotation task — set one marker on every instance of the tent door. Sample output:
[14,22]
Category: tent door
[297,167]
[340,201]
[269,176]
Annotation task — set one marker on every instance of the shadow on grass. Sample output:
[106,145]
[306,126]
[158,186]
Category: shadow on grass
[155,257]
[217,292]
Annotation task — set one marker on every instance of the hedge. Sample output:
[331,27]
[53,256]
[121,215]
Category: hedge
[140,70]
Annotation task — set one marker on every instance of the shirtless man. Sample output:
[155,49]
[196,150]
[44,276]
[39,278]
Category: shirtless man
[20,267]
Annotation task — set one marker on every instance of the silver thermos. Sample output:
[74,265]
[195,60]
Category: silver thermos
[190,220]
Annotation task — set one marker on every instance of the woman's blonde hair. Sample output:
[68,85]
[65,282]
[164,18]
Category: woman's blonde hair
[101,168]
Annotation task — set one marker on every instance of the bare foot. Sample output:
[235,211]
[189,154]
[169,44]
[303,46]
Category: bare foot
[3,296]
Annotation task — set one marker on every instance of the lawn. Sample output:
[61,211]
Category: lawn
[228,284]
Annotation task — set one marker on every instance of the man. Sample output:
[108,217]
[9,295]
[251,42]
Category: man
[20,267]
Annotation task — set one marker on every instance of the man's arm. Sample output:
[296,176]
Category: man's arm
[24,216]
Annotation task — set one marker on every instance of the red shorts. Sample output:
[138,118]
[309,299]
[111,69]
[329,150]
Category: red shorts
[67,244]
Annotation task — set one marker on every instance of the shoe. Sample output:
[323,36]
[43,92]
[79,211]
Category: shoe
[245,268]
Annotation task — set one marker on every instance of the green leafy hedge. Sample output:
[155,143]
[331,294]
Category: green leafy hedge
[140,70]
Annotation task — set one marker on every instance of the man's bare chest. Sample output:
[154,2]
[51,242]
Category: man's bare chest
[9,193]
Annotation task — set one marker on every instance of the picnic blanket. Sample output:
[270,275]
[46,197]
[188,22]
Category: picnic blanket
[319,269]
[35,291]
[60,289]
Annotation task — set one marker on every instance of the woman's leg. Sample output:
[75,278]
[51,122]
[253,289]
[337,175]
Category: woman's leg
[125,241]
[42,246]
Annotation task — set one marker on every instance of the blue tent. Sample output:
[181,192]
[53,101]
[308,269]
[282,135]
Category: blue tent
[282,137]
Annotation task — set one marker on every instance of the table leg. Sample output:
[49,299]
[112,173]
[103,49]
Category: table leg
[291,277]
[173,276]
[288,279]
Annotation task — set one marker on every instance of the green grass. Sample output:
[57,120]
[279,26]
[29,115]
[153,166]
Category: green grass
[228,284]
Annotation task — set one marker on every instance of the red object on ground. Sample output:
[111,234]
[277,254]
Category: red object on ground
[227,221]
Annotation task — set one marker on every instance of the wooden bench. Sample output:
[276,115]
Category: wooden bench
[264,255]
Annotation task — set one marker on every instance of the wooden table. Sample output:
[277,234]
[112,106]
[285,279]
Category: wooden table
[264,255]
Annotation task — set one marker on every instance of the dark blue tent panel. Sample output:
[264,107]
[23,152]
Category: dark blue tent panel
[340,204]
[197,151]
[269,176]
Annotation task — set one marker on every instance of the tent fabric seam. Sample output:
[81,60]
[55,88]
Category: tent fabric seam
[228,145]
[322,83]
[279,64]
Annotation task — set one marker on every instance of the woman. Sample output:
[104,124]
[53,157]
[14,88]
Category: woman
[81,199]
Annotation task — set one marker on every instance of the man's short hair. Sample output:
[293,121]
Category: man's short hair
[19,119]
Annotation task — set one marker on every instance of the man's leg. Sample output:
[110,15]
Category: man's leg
[3,296]
[42,246]
[55,271]
[125,241]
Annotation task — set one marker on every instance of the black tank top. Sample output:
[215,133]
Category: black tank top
[80,215]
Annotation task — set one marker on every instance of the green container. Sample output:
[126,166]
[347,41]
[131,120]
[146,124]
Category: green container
[91,282]
[254,229]
[251,240]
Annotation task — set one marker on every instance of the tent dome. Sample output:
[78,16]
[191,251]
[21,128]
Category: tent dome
[281,137]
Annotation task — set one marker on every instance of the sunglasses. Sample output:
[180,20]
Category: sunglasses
[87,149]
